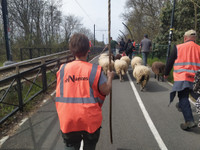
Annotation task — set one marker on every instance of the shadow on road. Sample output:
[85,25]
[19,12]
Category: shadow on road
[153,86]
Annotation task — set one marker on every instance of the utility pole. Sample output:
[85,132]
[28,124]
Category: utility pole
[171,30]
[6,32]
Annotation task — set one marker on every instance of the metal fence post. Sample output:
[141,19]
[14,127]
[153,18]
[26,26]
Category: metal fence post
[19,90]
[30,53]
[44,75]
[21,54]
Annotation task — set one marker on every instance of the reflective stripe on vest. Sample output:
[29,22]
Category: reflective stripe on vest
[187,62]
[90,99]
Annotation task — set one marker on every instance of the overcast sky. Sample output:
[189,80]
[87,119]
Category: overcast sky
[96,12]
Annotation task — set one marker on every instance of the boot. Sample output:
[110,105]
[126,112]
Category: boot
[188,125]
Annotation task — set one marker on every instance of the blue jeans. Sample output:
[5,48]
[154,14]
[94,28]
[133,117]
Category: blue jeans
[184,104]
[113,51]
[144,57]
[72,140]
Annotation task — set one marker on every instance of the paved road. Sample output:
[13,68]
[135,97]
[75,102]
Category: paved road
[141,121]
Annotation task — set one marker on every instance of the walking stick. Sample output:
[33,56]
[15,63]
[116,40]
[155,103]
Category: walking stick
[110,68]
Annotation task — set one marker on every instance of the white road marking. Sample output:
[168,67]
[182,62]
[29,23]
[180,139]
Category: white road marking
[3,140]
[150,123]
[93,58]
[52,94]
[22,122]
[81,147]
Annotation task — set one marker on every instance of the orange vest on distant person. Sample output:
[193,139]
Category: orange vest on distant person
[134,46]
[78,100]
[90,45]
[187,62]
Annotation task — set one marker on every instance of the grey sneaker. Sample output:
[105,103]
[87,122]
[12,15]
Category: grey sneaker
[188,125]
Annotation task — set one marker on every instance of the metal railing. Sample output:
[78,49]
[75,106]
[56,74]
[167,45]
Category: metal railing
[20,88]
[24,85]
[29,53]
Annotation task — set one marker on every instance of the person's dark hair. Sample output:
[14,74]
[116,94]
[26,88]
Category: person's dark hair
[79,44]
[146,35]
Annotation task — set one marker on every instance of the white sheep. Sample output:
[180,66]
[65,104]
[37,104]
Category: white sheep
[136,61]
[127,59]
[159,69]
[141,73]
[103,55]
[121,68]
[104,63]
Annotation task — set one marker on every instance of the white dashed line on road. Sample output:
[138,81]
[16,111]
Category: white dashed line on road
[150,123]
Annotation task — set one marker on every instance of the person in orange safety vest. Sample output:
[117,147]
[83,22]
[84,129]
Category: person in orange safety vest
[134,49]
[80,92]
[186,61]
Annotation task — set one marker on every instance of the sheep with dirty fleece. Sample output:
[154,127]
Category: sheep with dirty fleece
[142,74]
[136,60]
[121,68]
[159,69]
[104,62]
[127,59]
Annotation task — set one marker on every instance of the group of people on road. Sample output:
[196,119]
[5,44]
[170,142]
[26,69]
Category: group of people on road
[129,48]
[82,87]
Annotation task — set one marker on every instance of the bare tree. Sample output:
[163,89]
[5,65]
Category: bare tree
[142,16]
[70,24]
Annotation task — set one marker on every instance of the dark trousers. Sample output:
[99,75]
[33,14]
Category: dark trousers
[184,104]
[72,140]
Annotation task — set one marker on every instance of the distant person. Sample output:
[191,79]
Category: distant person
[185,58]
[145,48]
[88,56]
[134,48]
[121,46]
[113,45]
[129,48]
[80,93]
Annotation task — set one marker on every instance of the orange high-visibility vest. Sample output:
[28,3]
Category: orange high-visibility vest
[134,46]
[78,100]
[90,44]
[187,62]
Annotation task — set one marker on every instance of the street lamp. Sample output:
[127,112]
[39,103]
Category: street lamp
[123,34]
[128,30]
[6,32]
[171,30]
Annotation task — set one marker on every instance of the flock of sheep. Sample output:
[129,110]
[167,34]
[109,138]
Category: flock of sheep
[140,72]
